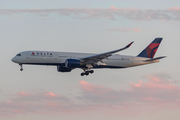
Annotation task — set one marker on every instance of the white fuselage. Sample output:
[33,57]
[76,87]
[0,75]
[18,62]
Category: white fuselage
[58,59]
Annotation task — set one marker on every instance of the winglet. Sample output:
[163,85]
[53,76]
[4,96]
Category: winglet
[125,47]
[129,44]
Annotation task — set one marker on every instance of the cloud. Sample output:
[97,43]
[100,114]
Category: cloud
[22,93]
[156,91]
[112,7]
[35,102]
[125,29]
[96,13]
[174,8]
[50,94]
[155,94]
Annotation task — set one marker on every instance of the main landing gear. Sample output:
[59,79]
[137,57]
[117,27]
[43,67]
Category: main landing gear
[87,72]
[21,67]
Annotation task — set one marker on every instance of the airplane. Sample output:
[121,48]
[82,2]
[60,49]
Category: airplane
[67,61]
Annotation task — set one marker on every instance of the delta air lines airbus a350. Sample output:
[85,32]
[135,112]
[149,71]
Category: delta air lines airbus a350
[67,61]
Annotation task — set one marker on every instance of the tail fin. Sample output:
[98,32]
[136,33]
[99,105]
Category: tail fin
[150,50]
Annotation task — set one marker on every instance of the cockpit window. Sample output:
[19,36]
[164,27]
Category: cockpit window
[18,55]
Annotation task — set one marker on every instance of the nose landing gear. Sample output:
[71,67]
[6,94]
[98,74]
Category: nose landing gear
[87,72]
[21,67]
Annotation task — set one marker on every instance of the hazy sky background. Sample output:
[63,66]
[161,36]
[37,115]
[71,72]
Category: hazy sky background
[93,26]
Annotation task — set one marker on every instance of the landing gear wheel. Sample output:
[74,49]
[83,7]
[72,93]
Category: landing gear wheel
[82,74]
[91,71]
[21,67]
[87,72]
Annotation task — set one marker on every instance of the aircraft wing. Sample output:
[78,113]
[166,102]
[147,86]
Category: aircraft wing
[99,57]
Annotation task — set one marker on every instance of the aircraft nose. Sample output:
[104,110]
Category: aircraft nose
[13,59]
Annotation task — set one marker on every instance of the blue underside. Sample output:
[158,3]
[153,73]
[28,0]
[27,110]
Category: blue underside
[61,64]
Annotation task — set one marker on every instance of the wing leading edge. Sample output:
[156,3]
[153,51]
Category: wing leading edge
[99,57]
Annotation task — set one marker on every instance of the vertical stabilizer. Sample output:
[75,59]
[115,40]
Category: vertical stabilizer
[151,49]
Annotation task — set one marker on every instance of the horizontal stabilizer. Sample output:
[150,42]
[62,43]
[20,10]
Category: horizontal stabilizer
[158,58]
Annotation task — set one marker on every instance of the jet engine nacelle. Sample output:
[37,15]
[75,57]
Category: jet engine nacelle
[63,69]
[72,63]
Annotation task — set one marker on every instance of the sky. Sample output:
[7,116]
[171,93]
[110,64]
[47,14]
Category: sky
[92,26]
